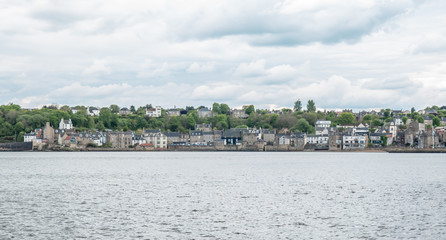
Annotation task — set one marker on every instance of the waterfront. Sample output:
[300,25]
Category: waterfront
[222,195]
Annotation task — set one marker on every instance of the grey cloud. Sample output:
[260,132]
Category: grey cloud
[264,25]
[57,19]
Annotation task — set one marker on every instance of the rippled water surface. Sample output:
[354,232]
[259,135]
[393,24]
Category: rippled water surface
[174,195]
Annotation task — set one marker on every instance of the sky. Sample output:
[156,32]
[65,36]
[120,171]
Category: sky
[355,54]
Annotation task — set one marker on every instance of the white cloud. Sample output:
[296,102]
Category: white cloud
[98,66]
[252,69]
[341,53]
[201,68]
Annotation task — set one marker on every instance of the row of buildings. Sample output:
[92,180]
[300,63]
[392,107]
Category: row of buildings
[326,137]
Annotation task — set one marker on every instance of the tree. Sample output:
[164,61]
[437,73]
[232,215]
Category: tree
[412,110]
[436,121]
[286,110]
[420,119]
[376,122]
[346,118]
[303,126]
[190,122]
[404,119]
[132,109]
[18,127]
[105,116]
[221,121]
[387,113]
[100,126]
[224,108]
[174,124]
[114,108]
[383,140]
[216,108]
[66,108]
[249,109]
[298,105]
[311,106]
[311,117]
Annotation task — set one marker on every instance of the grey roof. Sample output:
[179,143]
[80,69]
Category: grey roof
[378,134]
[430,111]
[171,134]
[152,131]
[283,135]
[233,132]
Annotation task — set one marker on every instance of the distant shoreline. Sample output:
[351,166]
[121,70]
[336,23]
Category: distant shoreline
[214,150]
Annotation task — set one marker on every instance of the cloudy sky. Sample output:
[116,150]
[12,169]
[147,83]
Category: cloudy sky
[359,54]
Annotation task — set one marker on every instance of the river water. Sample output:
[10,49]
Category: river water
[222,195]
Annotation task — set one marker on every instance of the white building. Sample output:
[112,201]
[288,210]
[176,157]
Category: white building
[138,140]
[29,137]
[65,124]
[154,112]
[92,111]
[157,139]
[323,123]
[354,142]
[317,139]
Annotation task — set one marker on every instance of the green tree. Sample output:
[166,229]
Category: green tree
[190,122]
[174,124]
[100,126]
[18,128]
[331,116]
[66,109]
[436,121]
[383,140]
[302,125]
[114,108]
[216,108]
[420,119]
[286,110]
[298,105]
[249,109]
[224,108]
[311,106]
[404,119]
[412,110]
[346,118]
[105,116]
[376,123]
[311,117]
[132,109]
[221,121]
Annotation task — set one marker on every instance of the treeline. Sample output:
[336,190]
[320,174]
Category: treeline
[15,121]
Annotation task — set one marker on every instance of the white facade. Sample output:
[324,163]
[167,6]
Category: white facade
[158,139]
[398,121]
[65,124]
[154,112]
[93,111]
[323,123]
[317,139]
[29,137]
[353,142]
